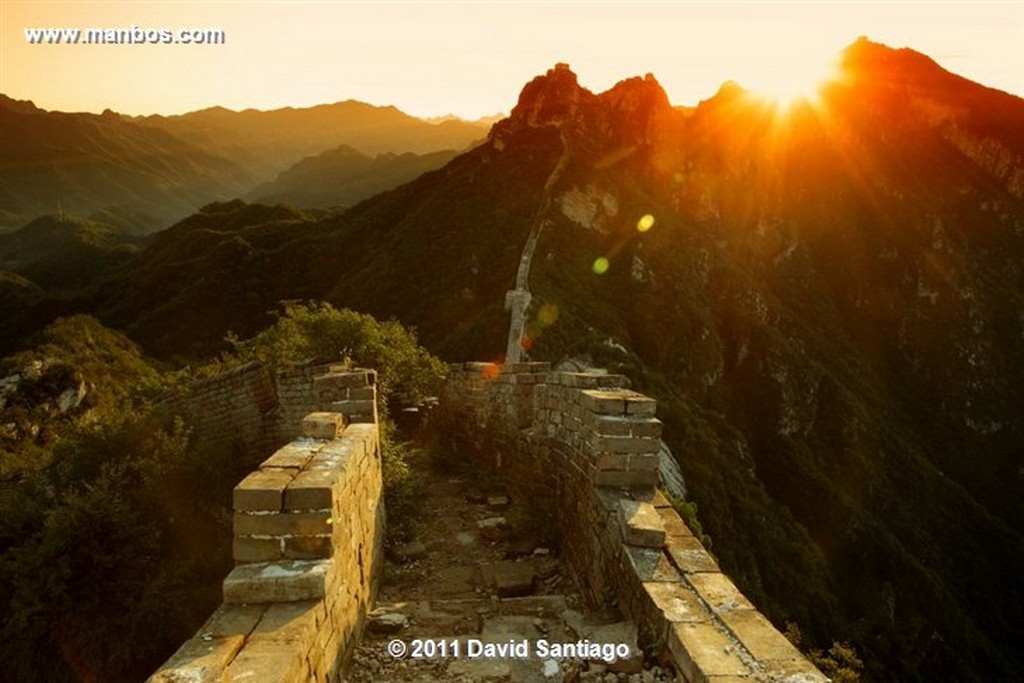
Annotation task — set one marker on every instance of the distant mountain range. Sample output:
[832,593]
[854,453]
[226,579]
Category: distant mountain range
[268,142]
[343,176]
[826,301]
[145,173]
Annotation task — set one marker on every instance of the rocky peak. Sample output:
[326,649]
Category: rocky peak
[636,94]
[550,99]
[18,106]
[628,114]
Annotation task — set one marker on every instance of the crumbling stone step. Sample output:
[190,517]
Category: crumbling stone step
[286,581]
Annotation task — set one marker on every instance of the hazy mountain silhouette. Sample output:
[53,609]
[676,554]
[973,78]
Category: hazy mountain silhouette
[344,176]
[827,307]
[87,162]
[268,142]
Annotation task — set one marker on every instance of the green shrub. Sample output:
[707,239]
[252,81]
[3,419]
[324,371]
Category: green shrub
[320,332]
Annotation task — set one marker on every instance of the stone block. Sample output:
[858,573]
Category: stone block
[266,661]
[793,670]
[323,425]
[610,425]
[689,555]
[199,660]
[638,404]
[660,501]
[355,410]
[719,592]
[643,462]
[262,490]
[650,564]
[640,524]
[293,456]
[648,428]
[363,394]
[283,524]
[702,652]
[604,402]
[676,602]
[612,461]
[308,547]
[232,620]
[248,549]
[674,524]
[625,444]
[292,622]
[340,381]
[285,581]
[762,640]
[360,433]
[312,489]
[624,479]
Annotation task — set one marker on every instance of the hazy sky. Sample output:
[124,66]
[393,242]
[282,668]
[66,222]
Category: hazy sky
[472,58]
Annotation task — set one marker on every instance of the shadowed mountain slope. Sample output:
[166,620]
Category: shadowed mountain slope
[87,162]
[344,176]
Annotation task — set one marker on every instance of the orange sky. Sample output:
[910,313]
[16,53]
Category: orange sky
[472,58]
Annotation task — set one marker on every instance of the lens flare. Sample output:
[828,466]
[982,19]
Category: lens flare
[600,266]
[645,223]
[547,315]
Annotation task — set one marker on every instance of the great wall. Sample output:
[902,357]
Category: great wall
[305,600]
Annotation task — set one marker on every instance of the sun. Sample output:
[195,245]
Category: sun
[785,83]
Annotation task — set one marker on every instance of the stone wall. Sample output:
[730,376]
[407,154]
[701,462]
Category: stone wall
[256,408]
[239,406]
[585,448]
[308,547]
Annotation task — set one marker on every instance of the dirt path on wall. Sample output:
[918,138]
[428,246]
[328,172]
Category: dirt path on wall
[481,572]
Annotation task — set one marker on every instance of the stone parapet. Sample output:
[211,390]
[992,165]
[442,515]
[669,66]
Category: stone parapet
[586,447]
[308,550]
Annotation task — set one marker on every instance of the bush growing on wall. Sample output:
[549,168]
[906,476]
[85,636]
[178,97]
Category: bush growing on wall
[320,332]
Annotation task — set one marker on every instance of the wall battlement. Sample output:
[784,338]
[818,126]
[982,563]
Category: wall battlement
[584,447]
[308,543]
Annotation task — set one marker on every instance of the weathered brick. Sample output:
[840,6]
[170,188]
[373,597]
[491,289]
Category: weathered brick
[650,564]
[689,555]
[624,479]
[248,549]
[323,425]
[719,592]
[283,524]
[292,622]
[352,409]
[284,581]
[202,660]
[641,405]
[612,461]
[232,620]
[610,425]
[643,462]
[640,524]
[625,444]
[312,489]
[266,661]
[603,401]
[308,547]
[262,489]
[702,652]
[645,427]
[292,456]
